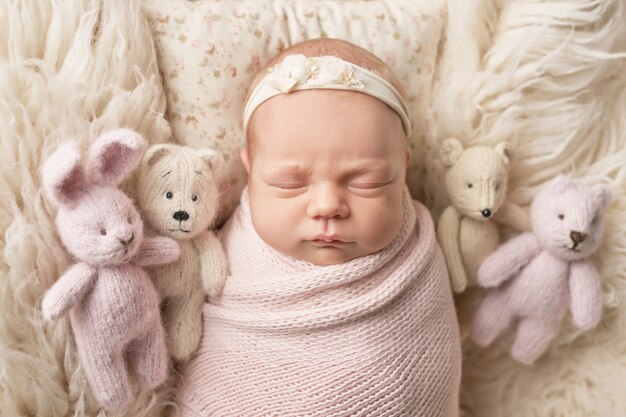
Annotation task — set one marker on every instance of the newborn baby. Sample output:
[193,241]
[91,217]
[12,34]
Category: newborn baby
[337,301]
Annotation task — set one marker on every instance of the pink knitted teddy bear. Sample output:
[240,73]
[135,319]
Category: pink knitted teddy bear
[114,307]
[536,276]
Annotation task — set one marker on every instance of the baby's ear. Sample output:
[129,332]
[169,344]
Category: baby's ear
[114,155]
[451,150]
[244,156]
[63,176]
[156,152]
[212,158]
[505,151]
[603,194]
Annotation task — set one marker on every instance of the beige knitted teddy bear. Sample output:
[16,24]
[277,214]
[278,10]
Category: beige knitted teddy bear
[476,180]
[178,197]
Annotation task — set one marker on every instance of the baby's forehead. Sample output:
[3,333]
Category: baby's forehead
[325,112]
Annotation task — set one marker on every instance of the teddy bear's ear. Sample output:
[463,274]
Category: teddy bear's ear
[64,178]
[156,152]
[561,183]
[603,194]
[114,155]
[505,151]
[212,158]
[451,150]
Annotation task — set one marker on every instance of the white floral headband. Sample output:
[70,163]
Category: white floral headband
[298,72]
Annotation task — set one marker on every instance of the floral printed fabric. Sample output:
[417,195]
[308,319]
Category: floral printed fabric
[210,50]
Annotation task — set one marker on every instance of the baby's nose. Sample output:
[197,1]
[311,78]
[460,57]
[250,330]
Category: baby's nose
[327,203]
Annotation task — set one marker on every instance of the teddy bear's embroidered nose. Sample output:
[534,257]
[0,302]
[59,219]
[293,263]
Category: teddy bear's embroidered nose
[486,213]
[577,237]
[181,216]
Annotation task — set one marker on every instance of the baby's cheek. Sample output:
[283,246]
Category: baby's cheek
[379,223]
[274,220]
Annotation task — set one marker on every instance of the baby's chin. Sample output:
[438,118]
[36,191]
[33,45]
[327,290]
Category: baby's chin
[328,256]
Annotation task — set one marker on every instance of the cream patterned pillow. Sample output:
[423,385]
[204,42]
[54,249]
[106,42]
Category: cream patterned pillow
[209,51]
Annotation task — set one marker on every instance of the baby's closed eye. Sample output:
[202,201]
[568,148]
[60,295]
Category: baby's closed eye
[288,185]
[368,184]
[371,181]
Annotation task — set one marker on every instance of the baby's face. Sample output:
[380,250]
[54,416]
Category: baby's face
[326,174]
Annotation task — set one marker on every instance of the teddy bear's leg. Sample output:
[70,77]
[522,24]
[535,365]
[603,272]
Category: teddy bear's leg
[148,356]
[491,318]
[106,373]
[533,337]
[184,324]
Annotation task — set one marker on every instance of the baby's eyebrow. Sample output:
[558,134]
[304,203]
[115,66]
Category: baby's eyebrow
[288,168]
[367,166]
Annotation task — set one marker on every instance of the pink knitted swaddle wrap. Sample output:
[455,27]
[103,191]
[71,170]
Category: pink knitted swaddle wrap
[375,336]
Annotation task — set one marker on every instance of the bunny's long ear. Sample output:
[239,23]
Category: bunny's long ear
[63,176]
[114,155]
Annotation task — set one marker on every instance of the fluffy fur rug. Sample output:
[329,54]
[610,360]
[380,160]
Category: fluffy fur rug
[548,75]
[67,69]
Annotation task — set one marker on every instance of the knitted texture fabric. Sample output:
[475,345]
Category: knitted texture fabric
[375,336]
[113,305]
[536,277]
[178,196]
[476,180]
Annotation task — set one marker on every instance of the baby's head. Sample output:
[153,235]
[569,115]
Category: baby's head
[326,167]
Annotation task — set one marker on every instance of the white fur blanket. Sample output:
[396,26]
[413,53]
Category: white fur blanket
[548,74]
[551,77]
[67,69]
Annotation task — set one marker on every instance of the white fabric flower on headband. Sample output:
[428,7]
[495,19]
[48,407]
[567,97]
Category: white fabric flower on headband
[312,71]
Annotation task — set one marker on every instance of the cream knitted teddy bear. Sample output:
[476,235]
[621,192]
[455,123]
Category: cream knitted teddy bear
[178,197]
[476,180]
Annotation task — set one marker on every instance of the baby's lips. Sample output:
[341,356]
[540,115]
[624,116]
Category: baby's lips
[328,238]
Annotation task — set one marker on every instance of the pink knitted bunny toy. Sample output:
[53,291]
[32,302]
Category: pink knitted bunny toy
[536,276]
[113,305]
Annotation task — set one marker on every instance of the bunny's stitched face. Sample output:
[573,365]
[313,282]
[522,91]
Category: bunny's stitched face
[97,223]
[568,218]
[104,228]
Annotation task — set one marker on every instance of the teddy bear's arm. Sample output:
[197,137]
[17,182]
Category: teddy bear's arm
[68,290]
[213,265]
[508,260]
[585,294]
[514,216]
[448,236]
[156,251]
